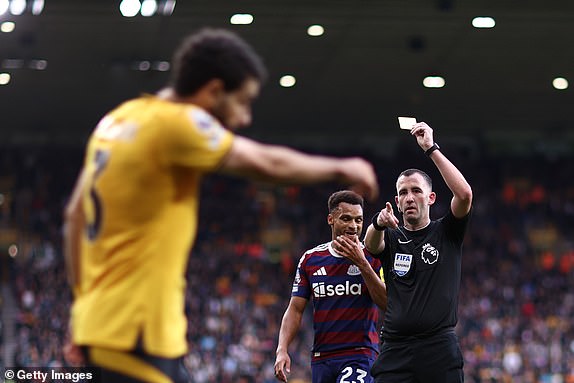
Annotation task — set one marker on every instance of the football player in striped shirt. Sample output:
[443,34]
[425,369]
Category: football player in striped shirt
[344,283]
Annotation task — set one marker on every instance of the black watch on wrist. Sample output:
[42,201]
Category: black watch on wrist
[375,224]
[432,149]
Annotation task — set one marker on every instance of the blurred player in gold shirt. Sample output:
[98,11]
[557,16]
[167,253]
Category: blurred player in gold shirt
[132,218]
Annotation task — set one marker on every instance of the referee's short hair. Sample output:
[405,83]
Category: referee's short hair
[410,172]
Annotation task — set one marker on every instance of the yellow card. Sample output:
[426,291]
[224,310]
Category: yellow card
[407,123]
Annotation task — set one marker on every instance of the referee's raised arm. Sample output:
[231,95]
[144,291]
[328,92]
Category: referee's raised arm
[460,188]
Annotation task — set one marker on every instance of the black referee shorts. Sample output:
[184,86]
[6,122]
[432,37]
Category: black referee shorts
[436,359]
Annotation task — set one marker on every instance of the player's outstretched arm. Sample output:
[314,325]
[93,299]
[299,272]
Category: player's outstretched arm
[289,326]
[281,164]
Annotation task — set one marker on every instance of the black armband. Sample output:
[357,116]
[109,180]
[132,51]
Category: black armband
[432,149]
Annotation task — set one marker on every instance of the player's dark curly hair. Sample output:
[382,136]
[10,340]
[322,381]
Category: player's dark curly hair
[347,196]
[214,53]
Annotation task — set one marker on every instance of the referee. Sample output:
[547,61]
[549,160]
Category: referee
[422,268]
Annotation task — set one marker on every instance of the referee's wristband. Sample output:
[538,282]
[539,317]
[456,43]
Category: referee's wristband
[375,224]
[432,149]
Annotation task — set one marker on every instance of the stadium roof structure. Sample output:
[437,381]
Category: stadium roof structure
[77,59]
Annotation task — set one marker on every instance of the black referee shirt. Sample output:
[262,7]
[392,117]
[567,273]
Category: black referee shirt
[422,274]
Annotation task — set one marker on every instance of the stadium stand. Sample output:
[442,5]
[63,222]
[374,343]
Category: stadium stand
[517,296]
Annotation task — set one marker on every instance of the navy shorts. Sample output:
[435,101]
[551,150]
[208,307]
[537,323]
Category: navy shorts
[436,359]
[343,369]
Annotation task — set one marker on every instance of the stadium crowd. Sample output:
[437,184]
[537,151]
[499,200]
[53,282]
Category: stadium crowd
[517,296]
